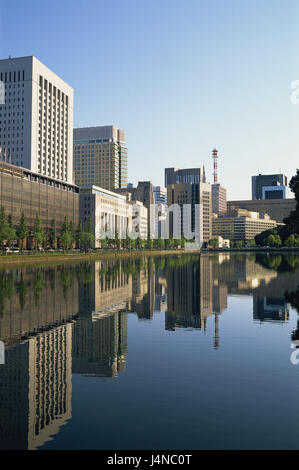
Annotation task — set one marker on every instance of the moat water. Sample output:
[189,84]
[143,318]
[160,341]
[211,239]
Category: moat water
[176,352]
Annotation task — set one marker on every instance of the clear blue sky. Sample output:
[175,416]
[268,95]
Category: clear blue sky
[180,77]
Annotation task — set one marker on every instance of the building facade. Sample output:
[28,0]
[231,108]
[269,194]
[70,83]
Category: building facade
[186,175]
[36,119]
[24,191]
[241,225]
[260,181]
[191,194]
[108,212]
[219,202]
[277,209]
[100,157]
[160,195]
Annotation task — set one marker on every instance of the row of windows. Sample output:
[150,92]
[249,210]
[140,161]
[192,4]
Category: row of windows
[47,86]
[16,76]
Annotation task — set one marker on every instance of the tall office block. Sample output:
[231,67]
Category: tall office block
[273,182]
[100,157]
[219,201]
[36,118]
[191,194]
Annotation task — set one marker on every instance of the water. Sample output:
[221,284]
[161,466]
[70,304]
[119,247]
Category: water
[180,352]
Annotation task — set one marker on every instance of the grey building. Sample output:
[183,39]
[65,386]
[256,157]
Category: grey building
[262,181]
[186,175]
[219,199]
[101,157]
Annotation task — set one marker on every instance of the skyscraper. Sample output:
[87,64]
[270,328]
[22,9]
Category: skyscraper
[36,118]
[219,203]
[100,157]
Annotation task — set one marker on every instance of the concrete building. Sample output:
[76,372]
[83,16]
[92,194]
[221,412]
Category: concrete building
[138,220]
[22,190]
[36,119]
[219,202]
[144,192]
[109,212]
[160,195]
[186,175]
[100,157]
[241,224]
[277,209]
[191,194]
[260,181]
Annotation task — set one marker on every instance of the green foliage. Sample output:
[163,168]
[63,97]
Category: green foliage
[214,243]
[52,234]
[22,230]
[39,233]
[292,240]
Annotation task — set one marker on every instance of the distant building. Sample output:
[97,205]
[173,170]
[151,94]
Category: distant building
[144,192]
[219,203]
[190,194]
[160,194]
[266,181]
[100,157]
[37,111]
[277,209]
[187,175]
[241,224]
[138,221]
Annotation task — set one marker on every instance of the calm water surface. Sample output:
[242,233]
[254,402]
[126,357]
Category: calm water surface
[180,352]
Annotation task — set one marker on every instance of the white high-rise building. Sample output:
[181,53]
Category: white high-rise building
[36,118]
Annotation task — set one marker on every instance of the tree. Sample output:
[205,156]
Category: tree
[22,230]
[292,222]
[214,243]
[66,240]
[292,240]
[52,234]
[273,240]
[87,239]
[251,243]
[3,227]
[39,233]
[239,243]
[11,233]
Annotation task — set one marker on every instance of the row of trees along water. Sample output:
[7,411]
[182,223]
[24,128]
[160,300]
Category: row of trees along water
[66,238]
[70,237]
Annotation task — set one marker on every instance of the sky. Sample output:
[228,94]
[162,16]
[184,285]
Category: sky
[180,77]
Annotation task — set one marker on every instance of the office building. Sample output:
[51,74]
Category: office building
[160,195]
[185,194]
[219,203]
[241,224]
[277,209]
[100,157]
[144,192]
[36,119]
[262,181]
[187,175]
[108,212]
[138,220]
[22,190]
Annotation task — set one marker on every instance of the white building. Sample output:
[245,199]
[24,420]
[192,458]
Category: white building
[36,118]
[139,227]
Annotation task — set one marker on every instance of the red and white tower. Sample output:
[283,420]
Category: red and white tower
[215,165]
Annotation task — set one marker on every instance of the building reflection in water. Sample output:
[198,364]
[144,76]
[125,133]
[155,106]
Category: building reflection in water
[56,321]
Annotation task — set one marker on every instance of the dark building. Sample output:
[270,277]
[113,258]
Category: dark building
[186,175]
[22,190]
[267,181]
